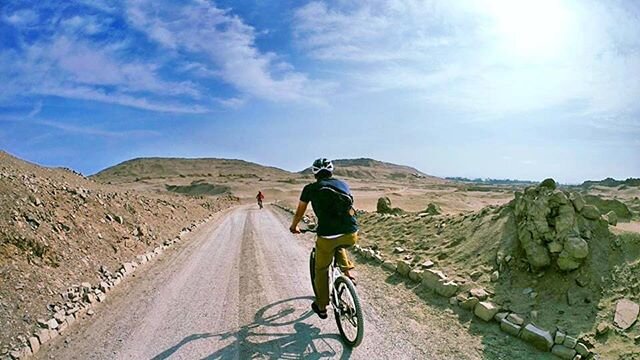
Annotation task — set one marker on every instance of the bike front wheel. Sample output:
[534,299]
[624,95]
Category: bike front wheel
[348,312]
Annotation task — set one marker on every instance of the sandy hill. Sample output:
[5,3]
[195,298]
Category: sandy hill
[365,168]
[58,228]
[162,168]
[213,177]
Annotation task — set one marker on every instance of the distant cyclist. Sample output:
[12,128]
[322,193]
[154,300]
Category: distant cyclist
[332,202]
[260,197]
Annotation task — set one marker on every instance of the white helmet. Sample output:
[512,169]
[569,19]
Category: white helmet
[322,164]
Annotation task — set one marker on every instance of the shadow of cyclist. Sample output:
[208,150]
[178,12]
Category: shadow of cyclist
[269,336]
[300,344]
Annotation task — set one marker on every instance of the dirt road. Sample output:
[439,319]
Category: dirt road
[239,289]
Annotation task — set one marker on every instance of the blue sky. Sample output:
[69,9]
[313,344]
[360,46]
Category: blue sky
[493,88]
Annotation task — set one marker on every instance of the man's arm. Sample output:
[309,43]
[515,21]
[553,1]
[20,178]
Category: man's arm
[302,207]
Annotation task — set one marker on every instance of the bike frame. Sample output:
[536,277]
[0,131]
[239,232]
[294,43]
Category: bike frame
[334,273]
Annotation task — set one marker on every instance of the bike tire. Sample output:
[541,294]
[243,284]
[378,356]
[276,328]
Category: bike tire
[312,271]
[343,283]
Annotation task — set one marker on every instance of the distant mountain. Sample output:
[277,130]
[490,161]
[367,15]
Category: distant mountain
[365,168]
[163,168]
[493,181]
[611,182]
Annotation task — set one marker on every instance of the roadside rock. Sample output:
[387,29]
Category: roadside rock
[416,274]
[509,327]
[433,209]
[34,344]
[469,303]
[486,310]
[481,294]
[576,247]
[626,313]
[52,324]
[447,289]
[563,352]
[612,218]
[537,337]
[590,212]
[551,227]
[403,267]
[548,183]
[389,265]
[384,207]
[431,278]
[602,329]
[427,264]
[577,200]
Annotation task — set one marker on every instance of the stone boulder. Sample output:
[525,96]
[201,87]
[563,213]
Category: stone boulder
[626,313]
[551,226]
[577,201]
[548,183]
[537,337]
[433,209]
[486,310]
[590,212]
[612,218]
[403,267]
[432,278]
[384,207]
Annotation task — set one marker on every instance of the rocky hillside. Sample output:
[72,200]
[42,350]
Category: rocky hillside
[547,256]
[611,182]
[58,229]
[167,168]
[365,168]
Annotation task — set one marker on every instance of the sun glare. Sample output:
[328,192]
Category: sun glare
[534,29]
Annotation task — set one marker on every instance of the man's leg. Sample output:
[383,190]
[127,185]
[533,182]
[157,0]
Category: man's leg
[324,256]
[342,259]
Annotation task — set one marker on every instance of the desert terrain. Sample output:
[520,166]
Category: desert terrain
[209,295]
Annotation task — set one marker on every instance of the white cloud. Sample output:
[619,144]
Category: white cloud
[88,25]
[24,17]
[36,110]
[89,93]
[233,103]
[83,130]
[73,68]
[226,43]
[493,58]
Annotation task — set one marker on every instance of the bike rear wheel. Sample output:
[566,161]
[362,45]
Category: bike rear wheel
[312,271]
[348,312]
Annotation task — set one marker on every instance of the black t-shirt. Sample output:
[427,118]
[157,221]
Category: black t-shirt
[329,223]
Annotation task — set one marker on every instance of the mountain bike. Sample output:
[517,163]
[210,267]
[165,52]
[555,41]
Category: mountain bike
[344,300]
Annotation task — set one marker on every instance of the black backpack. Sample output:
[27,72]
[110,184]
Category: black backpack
[335,201]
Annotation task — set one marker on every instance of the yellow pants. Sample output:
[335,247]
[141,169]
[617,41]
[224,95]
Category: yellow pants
[325,250]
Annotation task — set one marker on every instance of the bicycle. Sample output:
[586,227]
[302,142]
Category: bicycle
[344,301]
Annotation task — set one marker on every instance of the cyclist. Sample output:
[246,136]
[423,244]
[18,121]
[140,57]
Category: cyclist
[336,228]
[260,197]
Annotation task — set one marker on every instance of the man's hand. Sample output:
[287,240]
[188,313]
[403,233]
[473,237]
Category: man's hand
[302,207]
